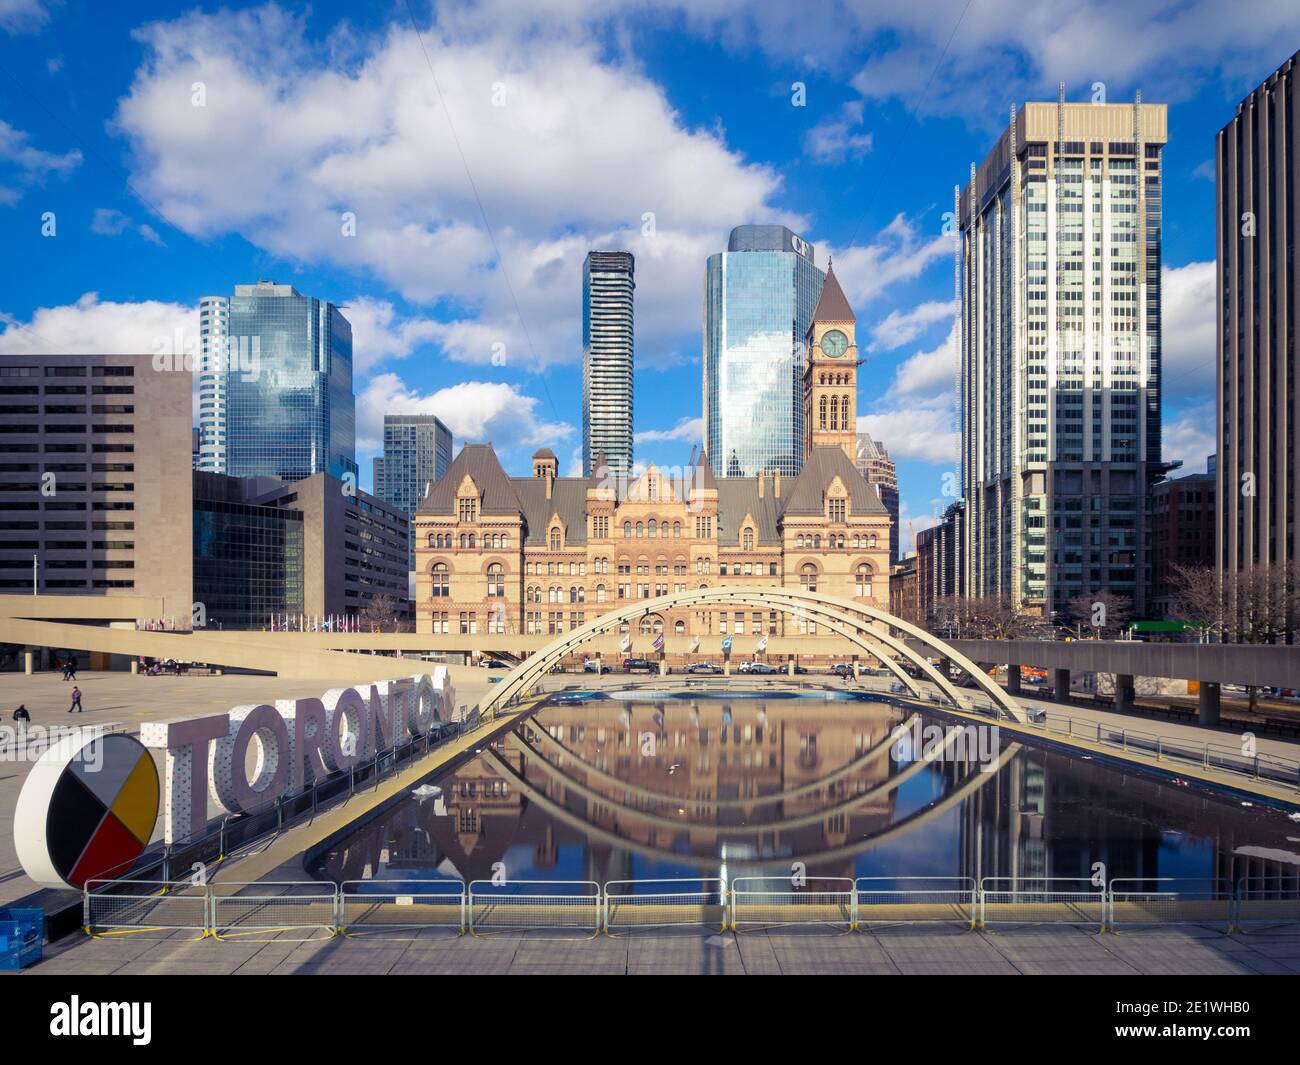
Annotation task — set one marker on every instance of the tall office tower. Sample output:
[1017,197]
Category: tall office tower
[874,463]
[608,281]
[417,452]
[280,394]
[1258,472]
[214,312]
[1058,273]
[759,297]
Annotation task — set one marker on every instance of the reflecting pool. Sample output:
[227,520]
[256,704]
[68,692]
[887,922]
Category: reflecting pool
[606,788]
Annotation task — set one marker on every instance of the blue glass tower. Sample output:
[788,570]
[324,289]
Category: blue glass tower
[283,371]
[759,298]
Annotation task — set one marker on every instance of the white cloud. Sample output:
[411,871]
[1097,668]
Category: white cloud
[902,327]
[1190,437]
[689,430]
[22,16]
[899,252]
[295,134]
[91,325]
[475,411]
[380,333]
[833,140]
[27,166]
[1206,171]
[1189,341]
[109,222]
[925,434]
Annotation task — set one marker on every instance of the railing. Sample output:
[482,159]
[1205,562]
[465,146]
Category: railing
[1268,767]
[482,907]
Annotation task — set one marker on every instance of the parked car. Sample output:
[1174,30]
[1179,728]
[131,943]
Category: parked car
[703,667]
[592,666]
[494,663]
[800,669]
[638,665]
[743,667]
[842,669]
[761,667]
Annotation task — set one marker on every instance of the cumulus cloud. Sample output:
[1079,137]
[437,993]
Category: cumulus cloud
[1190,437]
[93,325]
[902,327]
[688,430]
[899,252]
[926,434]
[22,16]
[1189,341]
[475,412]
[833,140]
[22,165]
[109,222]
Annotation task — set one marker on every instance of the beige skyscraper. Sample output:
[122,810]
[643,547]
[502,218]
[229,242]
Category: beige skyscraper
[1058,274]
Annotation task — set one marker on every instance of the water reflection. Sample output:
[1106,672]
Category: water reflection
[609,790]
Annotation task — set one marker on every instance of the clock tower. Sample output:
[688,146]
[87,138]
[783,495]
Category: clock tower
[830,374]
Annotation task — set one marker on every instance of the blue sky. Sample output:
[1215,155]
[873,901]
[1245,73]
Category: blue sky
[180,153]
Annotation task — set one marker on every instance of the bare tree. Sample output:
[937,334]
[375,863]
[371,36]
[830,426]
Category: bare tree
[1197,597]
[978,618]
[383,613]
[1101,612]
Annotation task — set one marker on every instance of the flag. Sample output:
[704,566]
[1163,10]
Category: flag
[695,645]
[625,644]
[762,645]
[726,644]
[659,642]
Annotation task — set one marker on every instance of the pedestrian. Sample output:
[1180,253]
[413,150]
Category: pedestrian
[76,700]
[21,719]
[72,669]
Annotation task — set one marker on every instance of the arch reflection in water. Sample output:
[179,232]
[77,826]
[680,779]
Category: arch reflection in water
[612,789]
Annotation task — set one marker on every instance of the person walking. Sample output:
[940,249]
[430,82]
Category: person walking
[76,700]
[21,720]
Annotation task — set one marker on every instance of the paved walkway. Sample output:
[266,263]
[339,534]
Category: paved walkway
[1029,951]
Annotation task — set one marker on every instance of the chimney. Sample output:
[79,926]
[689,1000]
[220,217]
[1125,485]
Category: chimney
[760,484]
[776,484]
[550,480]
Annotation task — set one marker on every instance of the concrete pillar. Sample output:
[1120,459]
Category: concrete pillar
[726,666]
[856,674]
[1013,678]
[29,661]
[135,666]
[789,668]
[1062,685]
[1123,691]
[1207,704]
[663,667]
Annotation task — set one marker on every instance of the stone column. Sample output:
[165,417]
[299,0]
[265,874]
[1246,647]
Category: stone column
[1207,704]
[29,661]
[1123,692]
[789,668]
[1062,685]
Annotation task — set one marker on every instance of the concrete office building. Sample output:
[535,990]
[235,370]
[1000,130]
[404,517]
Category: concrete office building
[1059,278]
[417,452]
[1258,223]
[1183,520]
[275,385]
[608,284]
[874,463]
[94,484]
[759,297]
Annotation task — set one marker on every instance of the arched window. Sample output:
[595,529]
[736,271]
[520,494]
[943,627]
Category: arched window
[644,626]
[640,530]
[627,529]
[573,593]
[835,412]
[431,541]
[677,530]
[600,593]
[822,413]
[679,628]
[808,577]
[871,541]
[749,539]
[555,539]
[441,580]
[863,581]
[653,529]
[496,580]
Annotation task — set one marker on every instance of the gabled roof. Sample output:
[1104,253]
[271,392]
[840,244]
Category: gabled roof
[737,498]
[568,500]
[831,305]
[481,464]
[826,463]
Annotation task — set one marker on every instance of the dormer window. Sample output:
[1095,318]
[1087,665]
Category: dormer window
[555,538]
[468,508]
[837,509]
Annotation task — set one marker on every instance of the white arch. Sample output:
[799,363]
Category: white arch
[844,616]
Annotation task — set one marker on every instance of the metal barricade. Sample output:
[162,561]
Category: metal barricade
[887,900]
[1268,904]
[777,901]
[665,903]
[521,905]
[116,907]
[1041,900]
[1146,901]
[273,906]
[367,906]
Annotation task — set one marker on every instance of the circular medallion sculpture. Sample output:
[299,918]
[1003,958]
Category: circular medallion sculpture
[87,810]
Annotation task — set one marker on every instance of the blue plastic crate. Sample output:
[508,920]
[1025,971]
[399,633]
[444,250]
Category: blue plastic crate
[22,935]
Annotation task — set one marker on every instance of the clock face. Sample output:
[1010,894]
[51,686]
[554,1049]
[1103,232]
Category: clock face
[834,343]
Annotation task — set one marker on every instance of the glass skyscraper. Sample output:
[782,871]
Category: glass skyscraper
[608,281]
[759,297]
[417,451]
[275,386]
